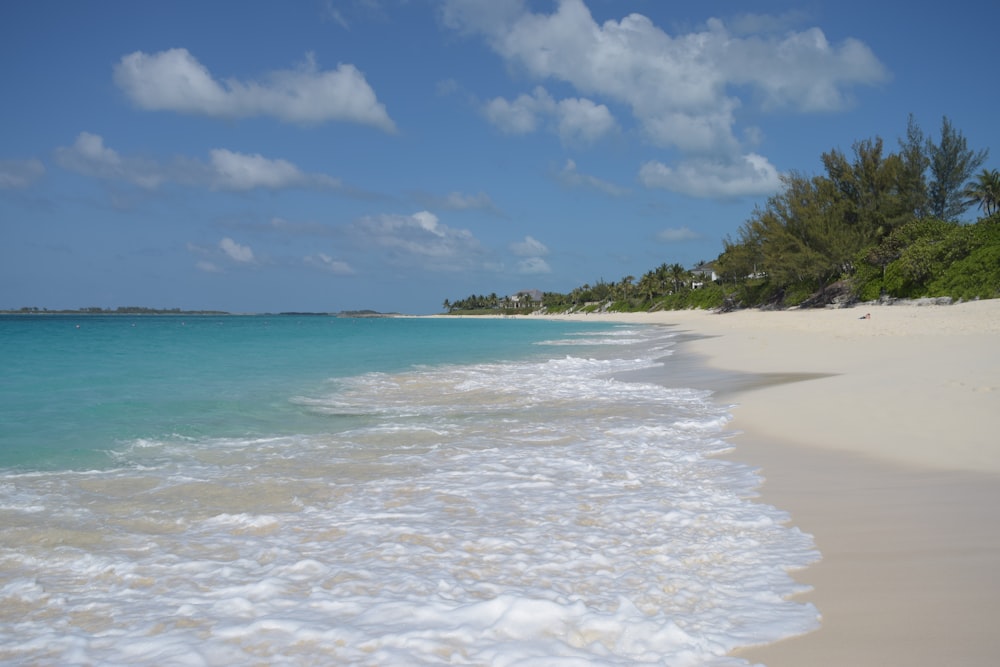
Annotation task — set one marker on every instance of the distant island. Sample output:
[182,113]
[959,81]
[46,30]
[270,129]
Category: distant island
[120,310]
[143,310]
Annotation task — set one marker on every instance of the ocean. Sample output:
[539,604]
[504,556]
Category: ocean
[306,490]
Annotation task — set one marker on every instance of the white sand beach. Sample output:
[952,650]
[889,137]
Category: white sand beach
[890,457]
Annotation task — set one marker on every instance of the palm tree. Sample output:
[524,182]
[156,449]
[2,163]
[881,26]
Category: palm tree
[647,286]
[677,275]
[984,191]
[663,277]
[625,285]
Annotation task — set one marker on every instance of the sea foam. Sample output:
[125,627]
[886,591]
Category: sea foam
[533,513]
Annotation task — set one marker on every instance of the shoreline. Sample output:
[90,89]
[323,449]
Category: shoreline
[879,437]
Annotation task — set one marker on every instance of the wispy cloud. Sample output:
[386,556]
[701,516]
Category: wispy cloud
[531,266]
[89,156]
[238,171]
[327,263]
[750,174]
[174,80]
[20,174]
[677,235]
[457,201]
[420,239]
[529,247]
[224,170]
[569,175]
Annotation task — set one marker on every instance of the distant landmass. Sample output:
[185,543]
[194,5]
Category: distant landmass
[121,310]
[143,310]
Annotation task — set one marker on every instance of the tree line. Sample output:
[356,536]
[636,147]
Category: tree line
[875,223]
[862,211]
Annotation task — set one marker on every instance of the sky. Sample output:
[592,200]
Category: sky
[331,155]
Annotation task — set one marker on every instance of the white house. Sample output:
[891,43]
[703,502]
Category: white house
[703,272]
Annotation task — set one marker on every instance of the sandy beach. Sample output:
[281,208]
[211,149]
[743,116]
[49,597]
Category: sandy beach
[879,436]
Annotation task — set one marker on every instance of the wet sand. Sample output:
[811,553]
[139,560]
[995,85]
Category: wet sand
[881,437]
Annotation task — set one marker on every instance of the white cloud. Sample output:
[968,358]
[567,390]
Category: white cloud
[533,266]
[575,120]
[573,178]
[207,266]
[750,174]
[529,247]
[680,88]
[174,80]
[239,171]
[225,170]
[677,234]
[580,120]
[89,156]
[20,174]
[517,117]
[420,238]
[235,251]
[328,263]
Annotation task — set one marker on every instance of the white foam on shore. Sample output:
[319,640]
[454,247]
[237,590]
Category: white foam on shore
[496,514]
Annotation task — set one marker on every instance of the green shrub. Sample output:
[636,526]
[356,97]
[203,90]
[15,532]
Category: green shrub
[975,276]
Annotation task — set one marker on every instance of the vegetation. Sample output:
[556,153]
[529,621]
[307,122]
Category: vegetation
[875,224]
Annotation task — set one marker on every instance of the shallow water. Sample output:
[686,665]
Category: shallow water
[479,493]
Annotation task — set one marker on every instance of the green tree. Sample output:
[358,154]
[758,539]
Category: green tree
[952,163]
[648,286]
[912,179]
[984,191]
[677,275]
[806,237]
[871,190]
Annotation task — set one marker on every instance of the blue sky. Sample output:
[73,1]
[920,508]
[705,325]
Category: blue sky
[332,155]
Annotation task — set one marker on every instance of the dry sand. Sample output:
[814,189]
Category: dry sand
[887,450]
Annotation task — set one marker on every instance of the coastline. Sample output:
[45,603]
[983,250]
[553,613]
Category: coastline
[879,437]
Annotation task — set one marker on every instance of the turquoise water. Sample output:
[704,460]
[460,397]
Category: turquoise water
[75,388]
[322,491]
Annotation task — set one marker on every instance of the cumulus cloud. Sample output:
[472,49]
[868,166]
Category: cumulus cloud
[575,120]
[235,251]
[750,174]
[569,175]
[681,89]
[420,238]
[327,263]
[174,80]
[20,174]
[225,169]
[529,247]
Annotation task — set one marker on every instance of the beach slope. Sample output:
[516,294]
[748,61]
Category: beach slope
[887,450]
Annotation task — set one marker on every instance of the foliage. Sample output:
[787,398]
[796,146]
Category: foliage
[931,257]
[883,224]
[984,192]
[952,163]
